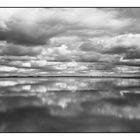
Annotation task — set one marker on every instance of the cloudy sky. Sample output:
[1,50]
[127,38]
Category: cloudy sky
[32,38]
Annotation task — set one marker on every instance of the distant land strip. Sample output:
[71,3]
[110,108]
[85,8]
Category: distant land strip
[82,76]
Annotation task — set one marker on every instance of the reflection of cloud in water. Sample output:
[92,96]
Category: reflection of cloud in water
[127,82]
[26,87]
[70,83]
[131,91]
[7,83]
[73,97]
[126,112]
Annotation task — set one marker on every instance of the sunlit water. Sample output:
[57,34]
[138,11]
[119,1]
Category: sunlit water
[69,104]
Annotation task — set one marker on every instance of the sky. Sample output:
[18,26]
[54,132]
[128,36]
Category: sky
[32,38]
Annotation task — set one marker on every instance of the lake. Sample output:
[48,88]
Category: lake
[69,104]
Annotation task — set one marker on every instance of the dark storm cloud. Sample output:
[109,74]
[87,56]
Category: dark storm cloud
[18,50]
[19,37]
[132,54]
[117,50]
[89,57]
[29,34]
[89,46]
[37,26]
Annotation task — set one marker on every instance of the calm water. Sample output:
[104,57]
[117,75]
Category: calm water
[69,104]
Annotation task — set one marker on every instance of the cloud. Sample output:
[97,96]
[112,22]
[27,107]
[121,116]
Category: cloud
[89,57]
[112,49]
[132,54]
[126,45]
[27,27]
[61,53]
[31,37]
[117,50]
[130,46]
[7,69]
[10,49]
[36,26]
[90,46]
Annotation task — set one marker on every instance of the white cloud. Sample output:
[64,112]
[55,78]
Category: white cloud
[7,83]
[26,64]
[8,69]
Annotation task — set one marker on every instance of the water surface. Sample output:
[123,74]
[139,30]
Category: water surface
[69,104]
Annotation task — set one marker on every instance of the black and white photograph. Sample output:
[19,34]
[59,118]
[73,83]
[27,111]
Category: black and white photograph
[66,69]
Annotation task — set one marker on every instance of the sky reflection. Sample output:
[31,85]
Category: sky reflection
[77,99]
